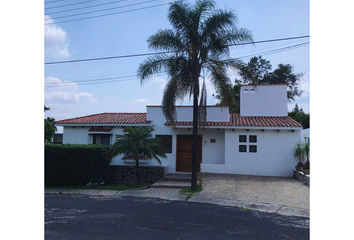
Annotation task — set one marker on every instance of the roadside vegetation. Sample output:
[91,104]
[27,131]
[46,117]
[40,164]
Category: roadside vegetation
[188,192]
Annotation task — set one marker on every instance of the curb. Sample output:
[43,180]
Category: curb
[263,207]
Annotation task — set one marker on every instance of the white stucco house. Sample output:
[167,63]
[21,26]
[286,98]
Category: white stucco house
[258,141]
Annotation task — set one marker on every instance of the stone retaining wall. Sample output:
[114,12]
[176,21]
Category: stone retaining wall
[305,179]
[126,174]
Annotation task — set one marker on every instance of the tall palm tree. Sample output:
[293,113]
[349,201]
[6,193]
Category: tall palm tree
[138,142]
[199,42]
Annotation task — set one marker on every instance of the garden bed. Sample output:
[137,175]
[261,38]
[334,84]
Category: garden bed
[300,176]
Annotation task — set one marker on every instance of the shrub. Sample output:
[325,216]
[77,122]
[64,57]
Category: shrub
[74,164]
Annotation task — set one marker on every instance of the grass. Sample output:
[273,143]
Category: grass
[188,190]
[189,193]
[115,187]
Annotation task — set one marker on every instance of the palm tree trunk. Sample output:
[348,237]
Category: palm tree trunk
[194,185]
[137,173]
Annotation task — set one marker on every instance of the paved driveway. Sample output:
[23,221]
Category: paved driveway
[270,190]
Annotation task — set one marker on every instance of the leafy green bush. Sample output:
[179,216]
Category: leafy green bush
[74,164]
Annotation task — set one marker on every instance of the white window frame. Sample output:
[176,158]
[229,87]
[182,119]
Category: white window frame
[90,138]
[248,143]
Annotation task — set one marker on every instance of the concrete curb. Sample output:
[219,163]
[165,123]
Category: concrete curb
[173,195]
[82,191]
[263,207]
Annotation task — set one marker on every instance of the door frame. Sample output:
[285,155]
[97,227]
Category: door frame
[201,160]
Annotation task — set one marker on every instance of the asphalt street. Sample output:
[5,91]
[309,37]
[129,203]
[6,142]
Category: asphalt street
[113,217]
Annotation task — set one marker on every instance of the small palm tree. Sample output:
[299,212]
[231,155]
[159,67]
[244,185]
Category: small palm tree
[138,142]
[306,149]
[199,42]
[299,154]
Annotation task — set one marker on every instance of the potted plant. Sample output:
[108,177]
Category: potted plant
[306,150]
[299,154]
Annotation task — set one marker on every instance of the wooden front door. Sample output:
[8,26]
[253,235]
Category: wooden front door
[184,153]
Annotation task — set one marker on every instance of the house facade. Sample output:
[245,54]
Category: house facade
[258,141]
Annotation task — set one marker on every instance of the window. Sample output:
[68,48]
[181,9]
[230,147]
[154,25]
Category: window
[130,155]
[166,141]
[242,138]
[58,138]
[253,148]
[101,139]
[242,148]
[246,90]
[253,138]
[252,90]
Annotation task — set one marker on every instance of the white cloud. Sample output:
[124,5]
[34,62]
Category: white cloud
[305,86]
[66,92]
[142,100]
[55,40]
[157,79]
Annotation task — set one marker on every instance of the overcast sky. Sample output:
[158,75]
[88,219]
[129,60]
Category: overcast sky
[126,33]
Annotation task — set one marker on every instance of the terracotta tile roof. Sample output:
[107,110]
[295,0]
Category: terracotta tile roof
[100,129]
[242,121]
[179,106]
[250,85]
[108,118]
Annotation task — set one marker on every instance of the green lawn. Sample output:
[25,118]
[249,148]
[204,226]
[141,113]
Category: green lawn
[115,187]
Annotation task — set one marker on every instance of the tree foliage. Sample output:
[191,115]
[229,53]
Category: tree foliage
[49,128]
[199,42]
[300,116]
[232,100]
[138,142]
[258,70]
[76,164]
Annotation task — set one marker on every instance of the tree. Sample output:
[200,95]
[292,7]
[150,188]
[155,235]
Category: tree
[300,116]
[233,99]
[138,142]
[49,128]
[199,42]
[257,70]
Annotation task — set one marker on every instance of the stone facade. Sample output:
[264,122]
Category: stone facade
[126,174]
[305,179]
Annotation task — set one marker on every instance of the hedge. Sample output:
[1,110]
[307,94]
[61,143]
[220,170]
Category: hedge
[75,164]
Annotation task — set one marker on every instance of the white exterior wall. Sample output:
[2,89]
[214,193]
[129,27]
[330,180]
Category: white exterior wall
[213,153]
[274,149]
[185,113]
[265,101]
[75,135]
[305,133]
[155,114]
[274,153]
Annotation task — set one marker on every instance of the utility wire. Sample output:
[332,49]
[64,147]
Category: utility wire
[70,4]
[96,81]
[276,50]
[76,79]
[54,1]
[103,15]
[102,10]
[274,46]
[134,77]
[85,7]
[147,54]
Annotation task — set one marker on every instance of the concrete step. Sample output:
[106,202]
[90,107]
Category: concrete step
[171,184]
[185,177]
